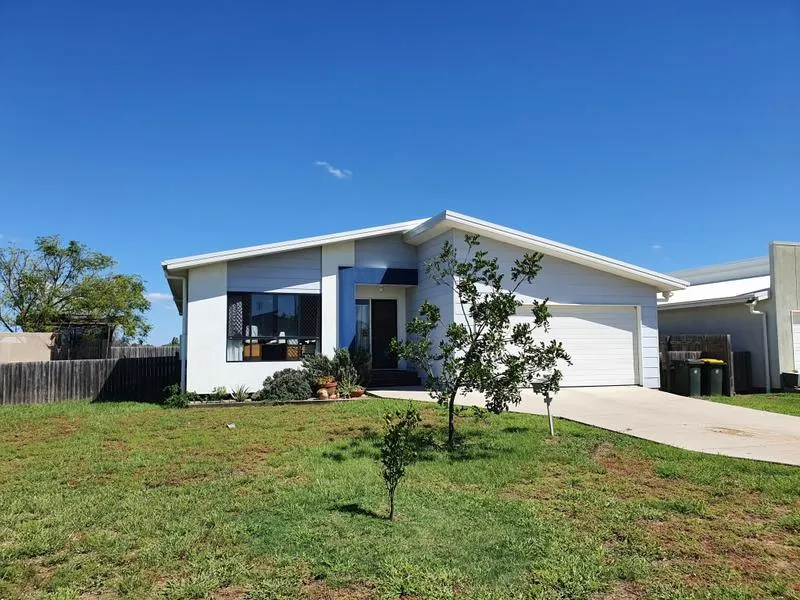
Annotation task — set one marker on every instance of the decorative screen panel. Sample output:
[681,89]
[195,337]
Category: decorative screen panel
[235,315]
[308,324]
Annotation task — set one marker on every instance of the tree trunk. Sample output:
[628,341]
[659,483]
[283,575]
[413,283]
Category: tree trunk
[451,421]
[391,506]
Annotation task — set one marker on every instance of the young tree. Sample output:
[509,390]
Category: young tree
[481,351]
[56,281]
[397,451]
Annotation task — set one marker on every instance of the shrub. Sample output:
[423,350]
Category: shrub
[286,385]
[347,380]
[342,365]
[361,361]
[315,367]
[346,388]
[219,393]
[397,450]
[174,398]
[240,393]
[319,365]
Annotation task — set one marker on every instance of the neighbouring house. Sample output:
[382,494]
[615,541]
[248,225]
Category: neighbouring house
[25,347]
[756,301]
[252,311]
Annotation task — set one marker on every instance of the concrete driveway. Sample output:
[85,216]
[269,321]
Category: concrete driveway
[661,417]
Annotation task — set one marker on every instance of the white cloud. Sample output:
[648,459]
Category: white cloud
[158,297]
[338,173]
[656,247]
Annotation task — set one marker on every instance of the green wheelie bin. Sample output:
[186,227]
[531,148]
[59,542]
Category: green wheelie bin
[713,377]
[687,380]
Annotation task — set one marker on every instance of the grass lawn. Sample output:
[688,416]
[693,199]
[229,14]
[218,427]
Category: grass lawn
[787,403]
[134,501]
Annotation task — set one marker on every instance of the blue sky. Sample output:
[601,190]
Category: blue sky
[662,133]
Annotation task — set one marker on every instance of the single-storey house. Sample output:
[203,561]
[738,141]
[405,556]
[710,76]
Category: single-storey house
[756,301]
[252,311]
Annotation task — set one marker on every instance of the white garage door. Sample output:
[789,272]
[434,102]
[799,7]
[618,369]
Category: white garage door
[600,340]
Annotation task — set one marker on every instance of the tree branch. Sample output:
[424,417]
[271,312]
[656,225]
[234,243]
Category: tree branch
[6,325]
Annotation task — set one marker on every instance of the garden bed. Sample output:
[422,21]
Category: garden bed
[225,403]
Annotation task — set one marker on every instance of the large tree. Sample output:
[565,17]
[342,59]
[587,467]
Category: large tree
[481,350]
[55,283]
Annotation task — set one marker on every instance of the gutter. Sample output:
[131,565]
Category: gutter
[751,304]
[184,323]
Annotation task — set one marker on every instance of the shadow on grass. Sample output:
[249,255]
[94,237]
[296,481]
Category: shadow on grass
[356,509]
[516,429]
[429,443]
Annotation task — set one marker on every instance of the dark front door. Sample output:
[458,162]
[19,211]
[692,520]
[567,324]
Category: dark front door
[384,329]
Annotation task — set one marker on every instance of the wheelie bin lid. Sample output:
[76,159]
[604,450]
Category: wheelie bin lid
[712,361]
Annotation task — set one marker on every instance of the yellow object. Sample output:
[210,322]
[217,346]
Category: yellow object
[712,361]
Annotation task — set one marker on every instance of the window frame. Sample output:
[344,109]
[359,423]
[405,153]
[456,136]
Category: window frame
[279,340]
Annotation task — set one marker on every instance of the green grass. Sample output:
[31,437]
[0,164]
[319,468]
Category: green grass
[787,404]
[134,501]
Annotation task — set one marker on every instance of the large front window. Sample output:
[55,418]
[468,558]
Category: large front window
[272,327]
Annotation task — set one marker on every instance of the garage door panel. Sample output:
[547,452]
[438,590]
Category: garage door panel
[600,340]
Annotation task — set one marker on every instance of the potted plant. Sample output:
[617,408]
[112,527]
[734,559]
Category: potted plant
[327,382]
[348,386]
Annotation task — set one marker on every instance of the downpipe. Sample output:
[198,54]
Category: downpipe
[752,306]
[184,322]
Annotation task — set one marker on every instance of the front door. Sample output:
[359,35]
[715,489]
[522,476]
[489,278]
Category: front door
[384,330]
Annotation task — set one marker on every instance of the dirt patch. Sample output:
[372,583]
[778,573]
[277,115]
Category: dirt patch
[630,477]
[43,429]
[723,545]
[229,593]
[625,590]
[114,446]
[731,431]
[319,590]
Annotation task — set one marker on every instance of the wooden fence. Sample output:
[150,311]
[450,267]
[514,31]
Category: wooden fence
[681,347]
[112,379]
[143,351]
[99,349]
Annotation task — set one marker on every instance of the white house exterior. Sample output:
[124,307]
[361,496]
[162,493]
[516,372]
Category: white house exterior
[756,301]
[250,312]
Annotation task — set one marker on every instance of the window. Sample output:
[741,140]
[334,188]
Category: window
[363,341]
[272,327]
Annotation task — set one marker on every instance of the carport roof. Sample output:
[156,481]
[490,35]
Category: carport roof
[720,292]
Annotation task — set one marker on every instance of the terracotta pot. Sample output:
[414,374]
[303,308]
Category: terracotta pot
[357,393]
[330,385]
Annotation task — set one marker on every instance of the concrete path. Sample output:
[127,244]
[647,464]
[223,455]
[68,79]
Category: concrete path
[654,415]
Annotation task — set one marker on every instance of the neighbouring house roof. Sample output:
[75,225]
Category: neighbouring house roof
[740,269]
[719,292]
[724,283]
[419,231]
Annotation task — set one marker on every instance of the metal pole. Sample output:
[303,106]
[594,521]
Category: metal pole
[547,401]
